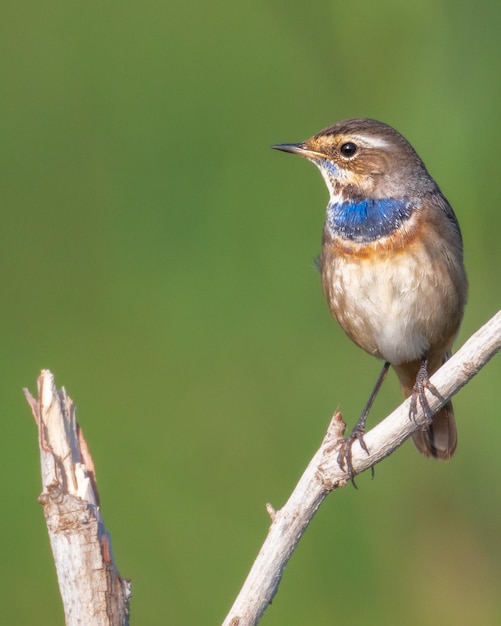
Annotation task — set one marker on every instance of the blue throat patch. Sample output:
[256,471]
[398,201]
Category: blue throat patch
[368,220]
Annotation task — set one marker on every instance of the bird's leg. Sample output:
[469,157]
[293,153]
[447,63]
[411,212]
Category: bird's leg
[357,434]
[422,382]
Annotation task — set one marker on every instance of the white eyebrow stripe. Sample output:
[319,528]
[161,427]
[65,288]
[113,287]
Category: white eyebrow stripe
[372,142]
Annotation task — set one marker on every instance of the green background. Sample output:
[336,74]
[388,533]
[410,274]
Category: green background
[156,255]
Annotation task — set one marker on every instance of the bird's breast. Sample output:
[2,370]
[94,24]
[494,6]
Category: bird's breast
[399,296]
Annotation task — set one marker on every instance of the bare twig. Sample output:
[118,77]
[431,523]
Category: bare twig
[92,590]
[323,474]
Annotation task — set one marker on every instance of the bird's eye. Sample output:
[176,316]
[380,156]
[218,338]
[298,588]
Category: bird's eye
[348,149]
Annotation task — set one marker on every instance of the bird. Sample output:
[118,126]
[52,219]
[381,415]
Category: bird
[391,265]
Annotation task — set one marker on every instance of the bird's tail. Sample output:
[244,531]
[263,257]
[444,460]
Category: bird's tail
[438,440]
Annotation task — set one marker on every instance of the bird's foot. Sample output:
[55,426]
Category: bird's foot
[344,457]
[418,393]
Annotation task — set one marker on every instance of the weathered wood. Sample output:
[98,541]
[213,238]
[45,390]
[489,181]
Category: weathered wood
[324,474]
[92,590]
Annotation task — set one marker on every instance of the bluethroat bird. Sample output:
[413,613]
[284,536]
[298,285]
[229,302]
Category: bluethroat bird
[391,264]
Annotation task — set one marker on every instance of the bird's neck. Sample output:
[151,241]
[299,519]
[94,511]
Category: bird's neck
[364,219]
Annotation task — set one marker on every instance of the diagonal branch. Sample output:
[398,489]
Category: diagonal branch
[323,473]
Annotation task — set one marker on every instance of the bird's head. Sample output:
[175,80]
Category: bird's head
[363,158]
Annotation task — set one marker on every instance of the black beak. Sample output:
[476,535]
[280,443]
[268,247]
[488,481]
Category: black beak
[295,148]
[298,148]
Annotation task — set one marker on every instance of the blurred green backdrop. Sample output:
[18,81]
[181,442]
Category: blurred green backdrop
[157,256]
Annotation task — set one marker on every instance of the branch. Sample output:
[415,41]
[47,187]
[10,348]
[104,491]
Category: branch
[92,590]
[324,474]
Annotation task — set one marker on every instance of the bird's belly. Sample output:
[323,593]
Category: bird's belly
[396,307]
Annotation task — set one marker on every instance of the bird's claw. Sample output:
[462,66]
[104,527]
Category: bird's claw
[344,457]
[418,393]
